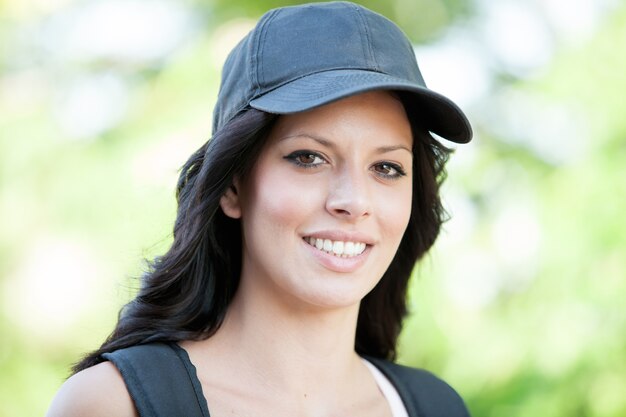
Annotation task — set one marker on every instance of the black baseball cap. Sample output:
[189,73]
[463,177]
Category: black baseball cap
[301,57]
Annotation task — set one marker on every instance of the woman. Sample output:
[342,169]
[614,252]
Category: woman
[298,226]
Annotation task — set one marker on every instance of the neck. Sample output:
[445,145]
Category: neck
[290,349]
[294,338]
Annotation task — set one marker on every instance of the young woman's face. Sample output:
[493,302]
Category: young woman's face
[327,202]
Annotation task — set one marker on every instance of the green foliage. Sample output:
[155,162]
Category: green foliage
[555,343]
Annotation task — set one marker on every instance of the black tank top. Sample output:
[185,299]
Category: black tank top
[162,382]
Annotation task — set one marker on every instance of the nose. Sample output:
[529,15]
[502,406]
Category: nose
[348,195]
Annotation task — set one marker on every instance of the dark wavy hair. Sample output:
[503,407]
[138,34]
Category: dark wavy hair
[186,292]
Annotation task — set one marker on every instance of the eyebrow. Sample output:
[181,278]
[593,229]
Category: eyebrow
[329,144]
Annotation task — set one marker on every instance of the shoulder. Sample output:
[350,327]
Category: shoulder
[428,394]
[96,391]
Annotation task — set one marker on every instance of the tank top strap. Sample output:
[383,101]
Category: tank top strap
[390,393]
[161,380]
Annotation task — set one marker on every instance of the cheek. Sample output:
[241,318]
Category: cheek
[395,212]
[276,198]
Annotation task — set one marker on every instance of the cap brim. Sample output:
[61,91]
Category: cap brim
[435,112]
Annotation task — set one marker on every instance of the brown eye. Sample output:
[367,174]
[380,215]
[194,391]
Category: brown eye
[388,170]
[306,159]
[385,169]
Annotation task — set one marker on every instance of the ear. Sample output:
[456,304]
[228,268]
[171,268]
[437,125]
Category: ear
[231,203]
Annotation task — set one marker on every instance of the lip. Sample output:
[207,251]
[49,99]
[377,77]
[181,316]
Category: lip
[336,263]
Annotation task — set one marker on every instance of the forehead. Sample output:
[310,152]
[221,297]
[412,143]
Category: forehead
[376,118]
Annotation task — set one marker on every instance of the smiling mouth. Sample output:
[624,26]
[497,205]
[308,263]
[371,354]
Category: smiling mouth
[337,248]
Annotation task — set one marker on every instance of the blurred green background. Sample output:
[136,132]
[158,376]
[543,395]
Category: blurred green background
[521,305]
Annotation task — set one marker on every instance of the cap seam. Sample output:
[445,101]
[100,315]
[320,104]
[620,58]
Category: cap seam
[259,54]
[255,54]
[368,41]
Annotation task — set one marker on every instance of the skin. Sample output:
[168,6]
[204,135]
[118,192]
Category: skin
[334,172]
[98,391]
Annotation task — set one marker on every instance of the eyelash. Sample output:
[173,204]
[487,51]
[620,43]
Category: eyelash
[388,166]
[293,158]
[391,166]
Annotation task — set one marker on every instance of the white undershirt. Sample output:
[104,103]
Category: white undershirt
[389,392]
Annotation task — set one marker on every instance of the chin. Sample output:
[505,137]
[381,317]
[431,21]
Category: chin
[332,296]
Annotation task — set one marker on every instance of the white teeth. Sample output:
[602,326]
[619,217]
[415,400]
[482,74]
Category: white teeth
[348,249]
[337,248]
